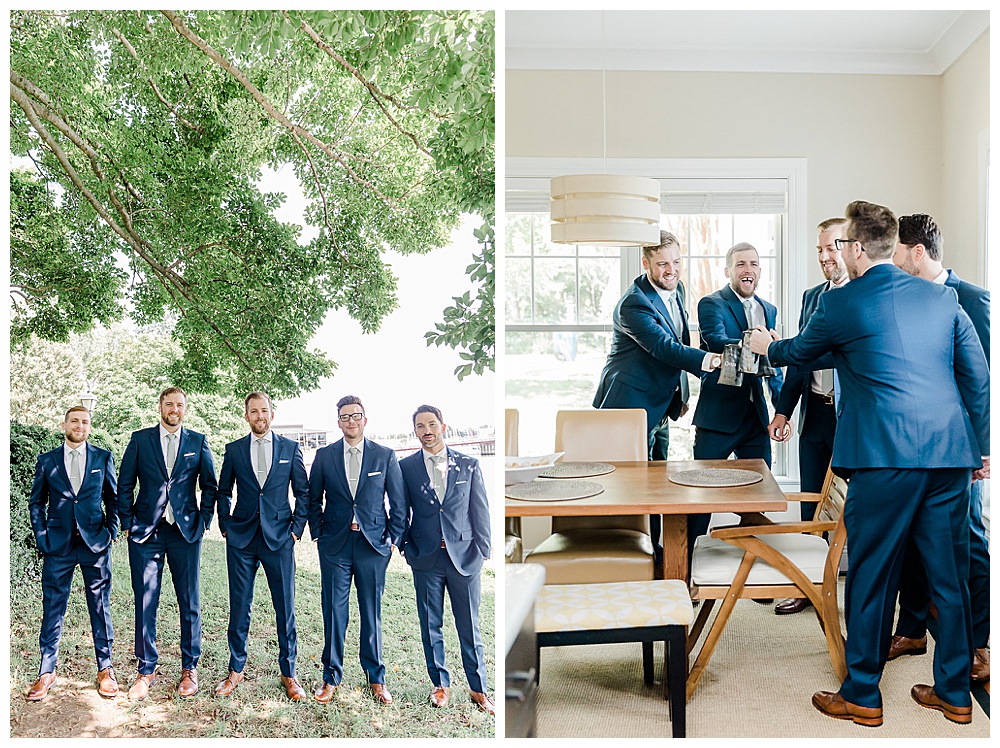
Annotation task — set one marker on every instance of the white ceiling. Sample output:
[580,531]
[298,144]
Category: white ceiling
[901,42]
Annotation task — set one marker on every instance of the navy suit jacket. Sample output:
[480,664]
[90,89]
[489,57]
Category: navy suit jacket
[56,512]
[798,379]
[462,520]
[380,478]
[722,321]
[143,462]
[976,303]
[648,356]
[267,506]
[908,359]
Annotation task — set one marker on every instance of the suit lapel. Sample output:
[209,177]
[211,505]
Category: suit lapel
[452,474]
[61,466]
[367,457]
[154,442]
[659,306]
[736,307]
[276,450]
[243,455]
[340,467]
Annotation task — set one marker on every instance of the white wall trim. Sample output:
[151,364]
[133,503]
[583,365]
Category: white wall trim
[984,207]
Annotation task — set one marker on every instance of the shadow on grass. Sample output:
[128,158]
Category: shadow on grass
[259,707]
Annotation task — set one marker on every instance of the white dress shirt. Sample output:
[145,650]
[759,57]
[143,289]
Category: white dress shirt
[817,375]
[360,446]
[68,459]
[163,442]
[268,449]
[442,467]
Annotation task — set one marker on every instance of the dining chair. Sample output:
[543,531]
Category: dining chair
[513,544]
[785,559]
[598,549]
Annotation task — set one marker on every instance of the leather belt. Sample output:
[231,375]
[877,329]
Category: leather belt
[825,399]
[355,526]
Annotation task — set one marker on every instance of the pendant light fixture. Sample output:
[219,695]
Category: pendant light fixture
[608,210]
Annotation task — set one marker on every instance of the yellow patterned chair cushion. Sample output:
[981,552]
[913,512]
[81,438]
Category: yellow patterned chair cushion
[617,605]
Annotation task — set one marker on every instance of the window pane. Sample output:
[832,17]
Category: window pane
[709,235]
[555,291]
[600,289]
[706,276]
[588,251]
[543,239]
[517,291]
[757,230]
[518,233]
[547,372]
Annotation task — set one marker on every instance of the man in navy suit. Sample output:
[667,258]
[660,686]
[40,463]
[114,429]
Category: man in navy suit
[75,520]
[651,353]
[445,542]
[261,530]
[732,420]
[164,523]
[913,424]
[919,253]
[813,383]
[362,520]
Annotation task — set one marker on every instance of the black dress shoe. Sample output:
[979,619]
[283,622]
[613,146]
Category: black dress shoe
[792,605]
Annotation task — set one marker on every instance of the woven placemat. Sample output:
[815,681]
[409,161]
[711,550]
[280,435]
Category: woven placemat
[577,470]
[716,477]
[560,490]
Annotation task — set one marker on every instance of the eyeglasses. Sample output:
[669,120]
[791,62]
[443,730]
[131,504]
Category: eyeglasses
[840,244]
[350,417]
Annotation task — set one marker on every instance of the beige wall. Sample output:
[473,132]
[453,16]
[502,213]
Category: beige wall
[966,107]
[854,130]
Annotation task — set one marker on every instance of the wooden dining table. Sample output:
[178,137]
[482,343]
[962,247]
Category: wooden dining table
[646,488]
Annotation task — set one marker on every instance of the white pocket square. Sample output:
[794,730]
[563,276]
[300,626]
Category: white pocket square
[95,471]
[375,473]
[282,462]
[189,454]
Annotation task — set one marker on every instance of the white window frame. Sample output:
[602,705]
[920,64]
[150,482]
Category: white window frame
[528,174]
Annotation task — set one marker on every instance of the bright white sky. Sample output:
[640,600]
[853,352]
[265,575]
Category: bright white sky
[393,371]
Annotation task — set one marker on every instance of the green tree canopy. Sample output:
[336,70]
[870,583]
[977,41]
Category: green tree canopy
[149,131]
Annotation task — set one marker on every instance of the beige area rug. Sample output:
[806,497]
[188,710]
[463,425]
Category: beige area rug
[758,685]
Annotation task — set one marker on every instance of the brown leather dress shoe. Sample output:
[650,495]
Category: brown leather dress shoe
[439,696]
[834,705]
[141,687]
[293,689]
[792,605]
[381,693]
[981,666]
[925,696]
[227,686]
[107,684]
[40,688]
[903,645]
[483,702]
[325,693]
[188,686]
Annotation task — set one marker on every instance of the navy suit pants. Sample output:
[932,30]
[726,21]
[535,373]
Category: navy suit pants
[815,449]
[914,598]
[358,560]
[279,569]
[146,560]
[430,585]
[57,579]
[885,509]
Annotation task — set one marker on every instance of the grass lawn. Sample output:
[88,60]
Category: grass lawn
[259,707]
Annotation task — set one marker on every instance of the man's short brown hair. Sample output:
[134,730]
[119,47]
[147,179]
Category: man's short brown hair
[75,409]
[172,391]
[875,226]
[666,240]
[349,400]
[257,396]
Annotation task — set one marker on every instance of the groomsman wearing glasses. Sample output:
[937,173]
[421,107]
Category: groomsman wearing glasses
[355,530]
[261,530]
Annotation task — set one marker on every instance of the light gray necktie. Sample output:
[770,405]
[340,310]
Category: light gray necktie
[439,487]
[169,460]
[748,305]
[676,316]
[261,463]
[354,469]
[826,381]
[75,474]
